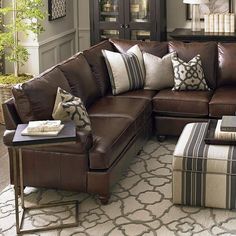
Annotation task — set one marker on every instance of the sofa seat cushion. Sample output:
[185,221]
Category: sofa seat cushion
[111,136]
[182,103]
[223,102]
[141,93]
[134,109]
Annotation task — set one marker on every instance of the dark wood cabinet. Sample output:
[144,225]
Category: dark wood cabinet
[128,19]
[186,35]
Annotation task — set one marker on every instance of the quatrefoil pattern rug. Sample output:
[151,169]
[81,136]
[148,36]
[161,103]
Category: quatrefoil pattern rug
[140,205]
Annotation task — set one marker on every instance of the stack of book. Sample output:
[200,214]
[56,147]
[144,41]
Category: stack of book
[219,23]
[226,128]
[43,128]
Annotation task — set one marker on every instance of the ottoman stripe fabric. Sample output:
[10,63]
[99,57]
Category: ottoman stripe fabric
[203,175]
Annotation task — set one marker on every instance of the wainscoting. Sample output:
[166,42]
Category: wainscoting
[84,38]
[56,49]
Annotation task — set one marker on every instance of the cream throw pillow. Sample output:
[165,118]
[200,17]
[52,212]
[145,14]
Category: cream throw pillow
[126,70]
[159,72]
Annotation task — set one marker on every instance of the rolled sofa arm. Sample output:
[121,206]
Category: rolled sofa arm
[8,137]
[85,138]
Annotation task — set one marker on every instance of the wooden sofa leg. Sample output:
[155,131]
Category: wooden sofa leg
[161,138]
[104,199]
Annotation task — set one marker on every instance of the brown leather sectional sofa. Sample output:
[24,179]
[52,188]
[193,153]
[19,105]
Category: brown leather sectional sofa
[120,124]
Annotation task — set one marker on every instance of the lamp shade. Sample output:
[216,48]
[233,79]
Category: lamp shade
[196,1]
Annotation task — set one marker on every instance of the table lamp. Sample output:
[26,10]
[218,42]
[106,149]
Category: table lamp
[196,24]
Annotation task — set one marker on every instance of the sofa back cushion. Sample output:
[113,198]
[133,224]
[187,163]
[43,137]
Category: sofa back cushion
[35,99]
[81,79]
[97,63]
[208,54]
[155,48]
[227,64]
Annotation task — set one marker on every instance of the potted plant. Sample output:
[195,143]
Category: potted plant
[25,17]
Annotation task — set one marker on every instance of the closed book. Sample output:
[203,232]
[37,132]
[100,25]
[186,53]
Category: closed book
[227,23]
[206,23]
[224,135]
[216,23]
[221,23]
[228,124]
[232,23]
[211,23]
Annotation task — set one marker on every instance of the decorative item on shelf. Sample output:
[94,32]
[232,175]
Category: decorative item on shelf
[196,24]
[219,23]
[107,7]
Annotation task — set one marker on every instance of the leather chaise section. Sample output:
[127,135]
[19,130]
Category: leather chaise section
[118,107]
[223,102]
[182,104]
[111,135]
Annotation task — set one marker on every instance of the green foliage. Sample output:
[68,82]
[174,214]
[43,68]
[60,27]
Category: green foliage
[10,79]
[28,19]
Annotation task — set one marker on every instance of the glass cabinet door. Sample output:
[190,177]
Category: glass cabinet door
[140,19]
[139,10]
[109,10]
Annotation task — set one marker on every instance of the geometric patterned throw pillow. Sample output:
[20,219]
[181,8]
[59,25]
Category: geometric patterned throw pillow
[68,107]
[126,70]
[78,113]
[188,75]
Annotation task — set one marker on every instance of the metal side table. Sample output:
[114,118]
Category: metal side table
[67,135]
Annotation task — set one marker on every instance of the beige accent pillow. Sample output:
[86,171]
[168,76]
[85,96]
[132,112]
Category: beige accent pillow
[159,72]
[58,112]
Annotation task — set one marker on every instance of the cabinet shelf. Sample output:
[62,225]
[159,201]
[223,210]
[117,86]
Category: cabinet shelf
[109,13]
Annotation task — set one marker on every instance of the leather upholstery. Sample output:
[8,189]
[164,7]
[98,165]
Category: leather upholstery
[35,99]
[111,134]
[223,102]
[81,79]
[55,170]
[97,63]
[141,93]
[227,64]
[208,53]
[120,107]
[158,49]
[182,103]
[8,137]
[12,118]
[166,125]
[120,124]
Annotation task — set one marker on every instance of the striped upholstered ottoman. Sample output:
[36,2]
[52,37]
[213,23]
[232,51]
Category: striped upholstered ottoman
[203,175]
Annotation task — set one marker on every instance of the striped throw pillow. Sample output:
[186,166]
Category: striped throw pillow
[126,70]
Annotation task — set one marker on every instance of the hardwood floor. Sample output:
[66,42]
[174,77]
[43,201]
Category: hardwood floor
[4,162]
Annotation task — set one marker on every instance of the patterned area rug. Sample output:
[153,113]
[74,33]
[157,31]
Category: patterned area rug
[140,205]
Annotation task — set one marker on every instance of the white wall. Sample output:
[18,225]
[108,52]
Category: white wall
[56,44]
